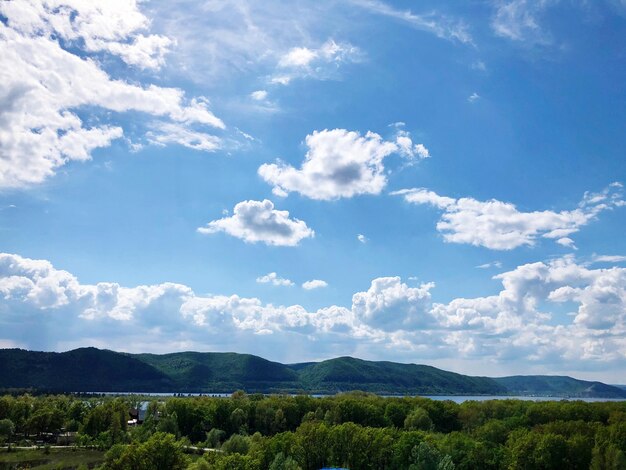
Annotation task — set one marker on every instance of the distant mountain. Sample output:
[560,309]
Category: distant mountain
[80,370]
[221,371]
[347,373]
[558,386]
[95,370]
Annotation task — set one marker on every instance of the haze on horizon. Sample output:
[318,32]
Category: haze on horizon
[437,183]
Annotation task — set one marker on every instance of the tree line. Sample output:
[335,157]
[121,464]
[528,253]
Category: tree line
[353,430]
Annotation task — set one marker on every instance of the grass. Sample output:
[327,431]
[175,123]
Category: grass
[57,459]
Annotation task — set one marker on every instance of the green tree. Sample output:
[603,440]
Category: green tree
[418,420]
[237,444]
[281,462]
[239,420]
[551,452]
[7,429]
[159,452]
[446,463]
[425,457]
[214,438]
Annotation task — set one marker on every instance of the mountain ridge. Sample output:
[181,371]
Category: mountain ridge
[101,370]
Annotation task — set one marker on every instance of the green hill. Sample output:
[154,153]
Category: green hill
[554,385]
[95,370]
[390,377]
[222,372]
[80,370]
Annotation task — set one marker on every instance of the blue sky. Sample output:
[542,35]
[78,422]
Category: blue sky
[428,182]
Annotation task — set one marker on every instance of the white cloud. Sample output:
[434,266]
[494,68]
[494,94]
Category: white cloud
[258,221]
[526,323]
[390,305]
[113,26]
[320,63]
[314,284]
[567,242]
[259,95]
[362,238]
[517,20]
[274,279]
[501,226]
[434,23]
[407,148]
[42,84]
[473,97]
[493,264]
[609,259]
[339,163]
[165,133]
[297,57]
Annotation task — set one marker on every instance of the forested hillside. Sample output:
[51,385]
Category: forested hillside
[95,370]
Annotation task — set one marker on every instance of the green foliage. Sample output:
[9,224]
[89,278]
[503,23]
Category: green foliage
[91,369]
[200,464]
[236,444]
[418,420]
[425,457]
[214,438]
[353,430]
[281,462]
[7,429]
[555,386]
[160,452]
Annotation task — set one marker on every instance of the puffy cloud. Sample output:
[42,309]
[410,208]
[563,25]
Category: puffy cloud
[501,226]
[274,279]
[314,284]
[258,221]
[113,26]
[42,83]
[339,163]
[473,97]
[389,304]
[67,312]
[558,313]
[362,238]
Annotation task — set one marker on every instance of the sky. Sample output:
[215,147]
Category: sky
[432,182]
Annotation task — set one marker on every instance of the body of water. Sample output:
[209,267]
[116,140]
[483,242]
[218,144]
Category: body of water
[454,398]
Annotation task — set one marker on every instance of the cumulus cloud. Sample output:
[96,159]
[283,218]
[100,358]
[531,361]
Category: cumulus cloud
[501,226]
[258,221]
[390,304]
[274,279]
[314,284]
[362,238]
[513,323]
[116,27]
[43,81]
[558,312]
[340,163]
[473,97]
[321,62]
